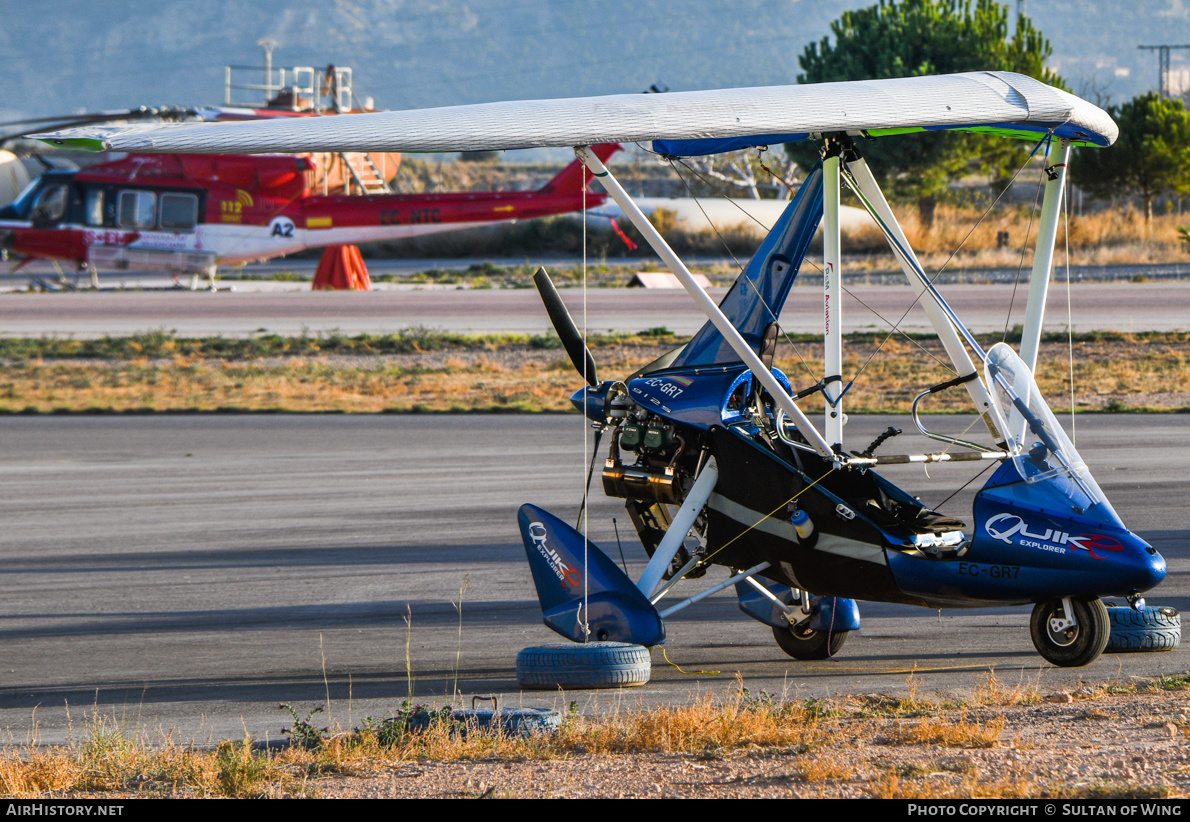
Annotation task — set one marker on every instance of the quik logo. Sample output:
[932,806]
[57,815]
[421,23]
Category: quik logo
[1003,527]
[567,574]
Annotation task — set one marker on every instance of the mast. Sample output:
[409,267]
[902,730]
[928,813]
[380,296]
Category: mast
[832,286]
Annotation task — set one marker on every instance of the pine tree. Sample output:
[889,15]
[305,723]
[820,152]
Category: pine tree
[920,37]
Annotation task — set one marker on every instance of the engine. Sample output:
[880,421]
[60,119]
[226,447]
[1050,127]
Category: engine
[651,464]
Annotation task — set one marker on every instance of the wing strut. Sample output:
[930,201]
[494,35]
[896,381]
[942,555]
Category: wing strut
[939,314]
[714,589]
[1043,256]
[704,301]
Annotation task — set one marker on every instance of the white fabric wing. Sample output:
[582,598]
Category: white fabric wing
[956,101]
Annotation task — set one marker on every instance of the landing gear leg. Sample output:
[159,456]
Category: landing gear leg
[1070,632]
[87,268]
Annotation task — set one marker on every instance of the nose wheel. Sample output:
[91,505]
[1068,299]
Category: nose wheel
[1070,637]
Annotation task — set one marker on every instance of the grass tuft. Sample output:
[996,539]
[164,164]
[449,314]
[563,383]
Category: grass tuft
[240,769]
[950,733]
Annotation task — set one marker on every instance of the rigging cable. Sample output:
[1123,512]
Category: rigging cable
[714,228]
[896,326]
[895,329]
[770,513]
[965,484]
[751,284]
[788,187]
[987,211]
[1069,314]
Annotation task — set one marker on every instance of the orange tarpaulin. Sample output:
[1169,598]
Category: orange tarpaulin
[342,268]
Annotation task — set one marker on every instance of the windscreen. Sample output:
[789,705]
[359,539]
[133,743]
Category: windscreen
[1040,447]
[1041,450]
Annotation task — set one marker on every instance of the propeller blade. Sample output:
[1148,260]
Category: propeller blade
[572,340]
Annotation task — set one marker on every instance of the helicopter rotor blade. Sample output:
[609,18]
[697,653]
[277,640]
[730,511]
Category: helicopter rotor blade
[568,332]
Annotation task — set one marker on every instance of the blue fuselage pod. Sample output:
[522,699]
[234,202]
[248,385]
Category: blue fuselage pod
[1034,542]
[1063,543]
[1043,527]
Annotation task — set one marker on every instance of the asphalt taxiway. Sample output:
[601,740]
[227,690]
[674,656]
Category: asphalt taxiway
[185,574]
[291,309]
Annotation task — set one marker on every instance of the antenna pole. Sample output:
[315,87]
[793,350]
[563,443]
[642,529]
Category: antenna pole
[268,45]
[1163,85]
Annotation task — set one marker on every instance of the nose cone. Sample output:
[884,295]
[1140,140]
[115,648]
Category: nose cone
[1156,569]
[1147,566]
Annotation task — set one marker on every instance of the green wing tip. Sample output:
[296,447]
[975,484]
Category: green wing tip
[76,143]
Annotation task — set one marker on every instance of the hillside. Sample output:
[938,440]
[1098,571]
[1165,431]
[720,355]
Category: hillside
[445,52]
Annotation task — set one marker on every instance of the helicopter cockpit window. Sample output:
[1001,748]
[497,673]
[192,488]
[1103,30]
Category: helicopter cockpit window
[93,208]
[179,212]
[138,209]
[21,204]
[50,204]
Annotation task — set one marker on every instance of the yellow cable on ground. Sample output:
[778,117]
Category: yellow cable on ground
[686,673]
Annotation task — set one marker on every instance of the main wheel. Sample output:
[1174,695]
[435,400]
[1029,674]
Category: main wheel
[591,665]
[1153,629]
[800,642]
[1074,646]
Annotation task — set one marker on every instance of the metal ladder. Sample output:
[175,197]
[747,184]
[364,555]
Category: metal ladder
[364,172]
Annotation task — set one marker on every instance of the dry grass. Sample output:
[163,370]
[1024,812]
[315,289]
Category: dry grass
[812,747]
[111,762]
[894,786]
[993,692]
[299,385]
[1108,237]
[708,725]
[1111,372]
[960,732]
[831,768]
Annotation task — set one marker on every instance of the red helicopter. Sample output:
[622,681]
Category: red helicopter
[192,213]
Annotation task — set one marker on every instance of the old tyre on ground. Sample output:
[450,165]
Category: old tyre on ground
[524,722]
[1153,629]
[592,665]
[801,642]
[1070,647]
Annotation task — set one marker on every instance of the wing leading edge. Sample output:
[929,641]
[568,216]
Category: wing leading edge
[997,101]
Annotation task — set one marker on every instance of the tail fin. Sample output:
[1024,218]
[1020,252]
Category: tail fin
[616,610]
[575,177]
